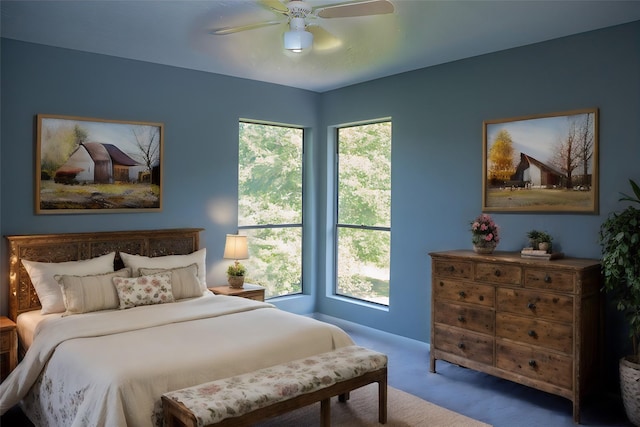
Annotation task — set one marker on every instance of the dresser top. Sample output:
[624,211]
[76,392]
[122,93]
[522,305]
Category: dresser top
[514,257]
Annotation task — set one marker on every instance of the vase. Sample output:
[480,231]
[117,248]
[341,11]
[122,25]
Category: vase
[484,248]
[630,387]
[236,282]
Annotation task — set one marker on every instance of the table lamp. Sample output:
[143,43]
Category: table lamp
[236,248]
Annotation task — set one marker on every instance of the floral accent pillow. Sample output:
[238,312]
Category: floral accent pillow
[144,290]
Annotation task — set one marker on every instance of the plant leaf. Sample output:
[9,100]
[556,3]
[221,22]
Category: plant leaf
[636,191]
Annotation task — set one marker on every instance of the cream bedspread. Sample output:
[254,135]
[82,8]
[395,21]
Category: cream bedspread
[110,368]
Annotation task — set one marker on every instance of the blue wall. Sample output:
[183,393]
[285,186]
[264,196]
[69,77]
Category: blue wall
[200,112]
[437,116]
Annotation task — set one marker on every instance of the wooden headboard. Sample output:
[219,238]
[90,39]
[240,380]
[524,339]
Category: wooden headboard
[80,246]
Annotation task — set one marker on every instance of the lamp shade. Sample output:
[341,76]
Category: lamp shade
[236,247]
[297,40]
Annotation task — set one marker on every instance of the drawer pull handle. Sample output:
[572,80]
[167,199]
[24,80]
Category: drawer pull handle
[531,306]
[497,273]
[451,269]
[462,294]
[461,345]
[547,279]
[532,363]
[532,333]
[461,318]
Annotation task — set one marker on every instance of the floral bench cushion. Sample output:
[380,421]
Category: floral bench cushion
[231,397]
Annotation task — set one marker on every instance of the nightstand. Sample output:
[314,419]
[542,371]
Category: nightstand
[8,346]
[249,291]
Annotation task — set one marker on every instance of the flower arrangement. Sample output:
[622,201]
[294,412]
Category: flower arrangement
[484,231]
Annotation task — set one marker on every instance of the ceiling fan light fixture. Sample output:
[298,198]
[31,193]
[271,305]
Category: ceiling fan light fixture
[297,39]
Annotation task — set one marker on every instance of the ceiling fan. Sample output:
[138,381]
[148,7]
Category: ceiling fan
[298,14]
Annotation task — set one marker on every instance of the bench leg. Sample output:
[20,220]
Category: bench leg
[343,397]
[325,412]
[382,402]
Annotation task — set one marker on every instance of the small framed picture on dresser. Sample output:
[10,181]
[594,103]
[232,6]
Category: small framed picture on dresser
[541,163]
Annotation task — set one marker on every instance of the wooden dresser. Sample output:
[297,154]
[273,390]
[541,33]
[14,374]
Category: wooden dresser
[535,322]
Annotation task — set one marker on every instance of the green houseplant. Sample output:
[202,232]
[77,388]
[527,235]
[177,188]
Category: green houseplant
[620,241]
[235,275]
[540,240]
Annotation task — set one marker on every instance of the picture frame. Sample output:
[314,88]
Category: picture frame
[541,163]
[89,165]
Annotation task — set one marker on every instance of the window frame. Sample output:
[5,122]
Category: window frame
[300,225]
[337,225]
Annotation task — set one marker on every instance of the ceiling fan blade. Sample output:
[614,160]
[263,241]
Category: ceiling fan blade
[361,8]
[230,30]
[323,39]
[275,6]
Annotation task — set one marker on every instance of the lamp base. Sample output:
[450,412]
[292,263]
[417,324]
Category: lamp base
[236,282]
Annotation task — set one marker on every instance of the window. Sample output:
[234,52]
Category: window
[363,227]
[270,205]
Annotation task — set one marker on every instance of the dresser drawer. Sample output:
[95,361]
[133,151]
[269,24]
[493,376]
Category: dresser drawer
[536,364]
[463,343]
[499,273]
[254,295]
[468,317]
[555,336]
[452,268]
[535,304]
[560,281]
[455,290]
[5,342]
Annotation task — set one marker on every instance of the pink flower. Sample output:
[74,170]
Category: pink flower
[484,229]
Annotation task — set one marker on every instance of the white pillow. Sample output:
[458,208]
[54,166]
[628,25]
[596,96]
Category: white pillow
[144,290]
[49,292]
[136,262]
[82,294]
[184,280]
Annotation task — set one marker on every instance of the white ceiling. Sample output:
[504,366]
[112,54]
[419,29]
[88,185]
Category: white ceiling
[420,33]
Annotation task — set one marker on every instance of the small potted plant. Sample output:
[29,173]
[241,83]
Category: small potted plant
[620,241]
[540,240]
[235,275]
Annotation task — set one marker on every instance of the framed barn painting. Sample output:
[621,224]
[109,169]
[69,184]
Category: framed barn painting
[97,166]
[541,163]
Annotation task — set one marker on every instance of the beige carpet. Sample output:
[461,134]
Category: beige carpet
[403,410]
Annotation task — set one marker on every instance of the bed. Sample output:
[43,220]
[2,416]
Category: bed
[110,366]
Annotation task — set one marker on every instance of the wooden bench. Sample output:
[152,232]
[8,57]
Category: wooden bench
[255,396]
